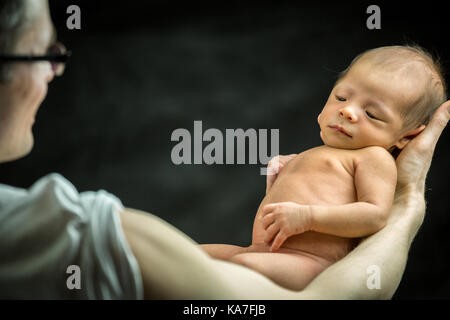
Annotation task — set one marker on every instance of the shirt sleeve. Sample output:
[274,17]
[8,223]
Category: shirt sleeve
[57,243]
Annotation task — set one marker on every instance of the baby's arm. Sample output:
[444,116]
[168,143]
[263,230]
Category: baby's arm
[375,180]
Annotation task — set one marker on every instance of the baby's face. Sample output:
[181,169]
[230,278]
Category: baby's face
[363,108]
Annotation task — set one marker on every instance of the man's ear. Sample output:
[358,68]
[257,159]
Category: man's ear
[408,136]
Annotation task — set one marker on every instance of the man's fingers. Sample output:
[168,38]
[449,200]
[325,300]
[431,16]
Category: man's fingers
[438,122]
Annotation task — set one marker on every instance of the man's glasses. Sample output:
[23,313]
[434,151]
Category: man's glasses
[56,54]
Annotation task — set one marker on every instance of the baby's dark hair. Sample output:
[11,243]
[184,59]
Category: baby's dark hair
[394,58]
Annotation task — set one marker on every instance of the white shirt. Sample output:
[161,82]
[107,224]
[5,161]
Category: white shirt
[51,226]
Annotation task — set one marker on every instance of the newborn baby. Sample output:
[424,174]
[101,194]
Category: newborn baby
[327,198]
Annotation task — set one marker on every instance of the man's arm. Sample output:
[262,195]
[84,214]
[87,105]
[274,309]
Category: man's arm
[174,267]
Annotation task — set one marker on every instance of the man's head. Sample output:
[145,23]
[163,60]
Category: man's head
[385,97]
[25,29]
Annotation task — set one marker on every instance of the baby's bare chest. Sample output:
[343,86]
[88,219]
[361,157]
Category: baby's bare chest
[320,175]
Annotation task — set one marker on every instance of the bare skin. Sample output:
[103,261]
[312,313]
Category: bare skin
[172,265]
[292,251]
[327,198]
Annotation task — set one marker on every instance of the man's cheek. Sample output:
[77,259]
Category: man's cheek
[38,92]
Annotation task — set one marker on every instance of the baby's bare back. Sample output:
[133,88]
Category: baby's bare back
[319,176]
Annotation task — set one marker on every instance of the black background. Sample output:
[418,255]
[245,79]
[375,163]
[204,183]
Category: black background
[141,69]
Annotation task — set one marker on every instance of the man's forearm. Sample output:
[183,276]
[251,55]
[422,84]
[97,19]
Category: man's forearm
[351,220]
[386,251]
[172,265]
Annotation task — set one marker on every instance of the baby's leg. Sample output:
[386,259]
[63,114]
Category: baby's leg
[222,251]
[292,271]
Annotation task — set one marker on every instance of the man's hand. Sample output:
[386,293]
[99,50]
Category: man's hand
[284,219]
[414,160]
[274,167]
[413,164]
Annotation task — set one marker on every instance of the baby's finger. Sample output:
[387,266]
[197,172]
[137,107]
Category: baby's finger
[279,240]
[273,167]
[271,232]
[268,220]
[274,163]
[268,208]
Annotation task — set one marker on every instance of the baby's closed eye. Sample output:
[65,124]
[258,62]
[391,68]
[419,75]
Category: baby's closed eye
[371,115]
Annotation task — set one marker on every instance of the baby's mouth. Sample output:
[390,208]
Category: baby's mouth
[340,129]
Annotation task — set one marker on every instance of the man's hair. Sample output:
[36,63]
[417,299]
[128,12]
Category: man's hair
[14,19]
[394,58]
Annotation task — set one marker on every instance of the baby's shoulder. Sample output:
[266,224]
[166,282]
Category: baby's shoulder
[333,157]
[375,154]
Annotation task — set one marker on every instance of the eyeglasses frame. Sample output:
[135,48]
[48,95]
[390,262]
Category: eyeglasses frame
[59,58]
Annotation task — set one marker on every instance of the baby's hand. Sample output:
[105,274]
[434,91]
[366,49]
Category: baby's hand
[284,219]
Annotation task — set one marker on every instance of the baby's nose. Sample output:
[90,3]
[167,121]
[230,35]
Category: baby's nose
[349,114]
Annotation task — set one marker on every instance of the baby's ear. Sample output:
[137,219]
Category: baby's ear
[318,117]
[408,136]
